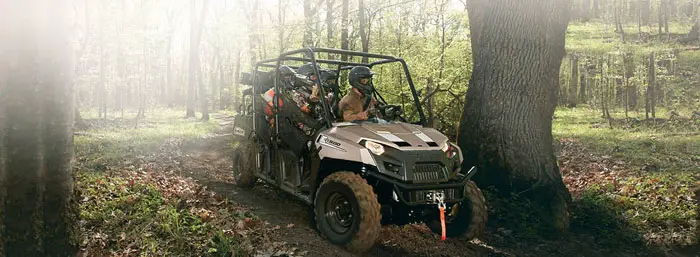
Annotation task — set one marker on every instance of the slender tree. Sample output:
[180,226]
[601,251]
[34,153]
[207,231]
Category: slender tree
[573,83]
[196,25]
[506,127]
[364,37]
[37,202]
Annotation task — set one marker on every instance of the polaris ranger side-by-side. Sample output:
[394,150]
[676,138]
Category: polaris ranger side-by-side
[356,175]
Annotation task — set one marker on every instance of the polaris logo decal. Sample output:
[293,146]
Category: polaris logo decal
[328,141]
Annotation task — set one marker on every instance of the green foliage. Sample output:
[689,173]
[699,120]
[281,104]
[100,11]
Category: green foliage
[126,216]
[645,190]
[100,147]
[668,147]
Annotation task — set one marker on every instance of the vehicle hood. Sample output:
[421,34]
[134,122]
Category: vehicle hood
[399,135]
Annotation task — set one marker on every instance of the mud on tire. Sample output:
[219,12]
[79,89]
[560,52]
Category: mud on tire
[470,219]
[347,212]
[244,164]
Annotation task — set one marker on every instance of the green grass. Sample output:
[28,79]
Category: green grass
[118,141]
[152,213]
[598,38]
[651,199]
[671,148]
[121,216]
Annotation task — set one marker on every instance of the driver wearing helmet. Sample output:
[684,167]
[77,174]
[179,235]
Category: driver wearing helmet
[359,104]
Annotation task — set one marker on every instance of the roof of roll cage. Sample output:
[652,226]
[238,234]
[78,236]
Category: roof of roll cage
[287,56]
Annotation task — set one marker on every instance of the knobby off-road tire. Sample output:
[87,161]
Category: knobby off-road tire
[470,219]
[344,193]
[244,164]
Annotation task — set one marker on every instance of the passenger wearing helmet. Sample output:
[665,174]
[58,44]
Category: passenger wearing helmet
[287,76]
[358,104]
[288,87]
[329,81]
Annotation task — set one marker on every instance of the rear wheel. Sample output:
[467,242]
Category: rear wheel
[347,211]
[244,164]
[466,219]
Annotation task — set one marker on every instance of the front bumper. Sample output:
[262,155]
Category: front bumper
[410,194]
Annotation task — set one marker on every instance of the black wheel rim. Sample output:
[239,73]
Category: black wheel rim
[339,213]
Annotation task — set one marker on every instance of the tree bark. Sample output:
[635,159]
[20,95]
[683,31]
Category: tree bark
[582,94]
[168,62]
[236,76]
[344,44]
[101,92]
[38,207]
[195,37]
[650,96]
[329,26]
[596,9]
[363,28]
[506,127]
[573,83]
[585,10]
[429,102]
[194,56]
[308,40]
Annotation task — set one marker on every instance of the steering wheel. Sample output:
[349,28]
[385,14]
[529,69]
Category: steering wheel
[390,112]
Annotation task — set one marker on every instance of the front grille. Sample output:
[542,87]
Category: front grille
[429,172]
[420,195]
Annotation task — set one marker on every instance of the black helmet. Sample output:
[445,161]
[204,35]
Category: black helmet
[286,71]
[329,79]
[308,69]
[358,73]
[286,75]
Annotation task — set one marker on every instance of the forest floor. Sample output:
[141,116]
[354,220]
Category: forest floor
[164,187]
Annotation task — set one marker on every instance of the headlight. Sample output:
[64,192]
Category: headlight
[446,147]
[375,148]
[450,151]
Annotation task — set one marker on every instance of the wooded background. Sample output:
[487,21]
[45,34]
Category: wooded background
[632,54]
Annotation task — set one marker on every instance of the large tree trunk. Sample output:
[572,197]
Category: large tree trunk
[38,207]
[506,128]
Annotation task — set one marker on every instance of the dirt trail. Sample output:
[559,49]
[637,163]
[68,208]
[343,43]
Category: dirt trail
[208,160]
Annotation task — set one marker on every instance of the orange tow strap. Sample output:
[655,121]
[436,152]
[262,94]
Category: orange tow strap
[442,222]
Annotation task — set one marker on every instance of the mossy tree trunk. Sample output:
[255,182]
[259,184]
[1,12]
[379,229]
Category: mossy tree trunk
[37,202]
[506,127]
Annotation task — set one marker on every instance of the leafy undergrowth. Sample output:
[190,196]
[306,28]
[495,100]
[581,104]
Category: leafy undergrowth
[138,213]
[134,201]
[633,183]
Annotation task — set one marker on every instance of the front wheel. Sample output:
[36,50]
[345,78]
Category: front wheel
[347,211]
[244,165]
[466,219]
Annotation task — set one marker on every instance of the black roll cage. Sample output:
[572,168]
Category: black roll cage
[342,65]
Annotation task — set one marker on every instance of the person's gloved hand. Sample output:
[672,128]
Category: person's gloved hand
[391,112]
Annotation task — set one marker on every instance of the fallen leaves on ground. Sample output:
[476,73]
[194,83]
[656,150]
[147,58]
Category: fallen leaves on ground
[138,212]
[657,206]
